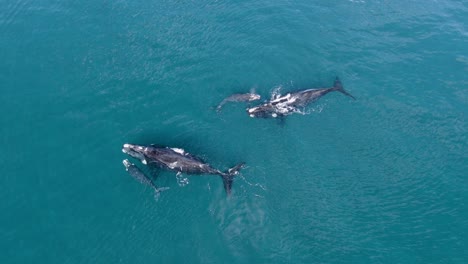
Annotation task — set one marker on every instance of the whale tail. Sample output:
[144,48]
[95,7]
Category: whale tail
[219,106]
[229,176]
[157,192]
[337,86]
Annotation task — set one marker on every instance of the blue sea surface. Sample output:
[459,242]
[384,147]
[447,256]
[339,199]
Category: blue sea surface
[383,179]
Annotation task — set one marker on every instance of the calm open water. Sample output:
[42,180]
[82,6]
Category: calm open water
[382,179]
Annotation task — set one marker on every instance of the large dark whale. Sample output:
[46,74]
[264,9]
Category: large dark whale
[293,102]
[136,173]
[247,97]
[178,160]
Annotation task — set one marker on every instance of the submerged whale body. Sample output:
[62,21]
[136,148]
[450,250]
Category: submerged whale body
[140,176]
[178,160]
[247,97]
[293,102]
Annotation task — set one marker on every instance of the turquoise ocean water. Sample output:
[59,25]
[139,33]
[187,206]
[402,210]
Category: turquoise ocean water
[382,179]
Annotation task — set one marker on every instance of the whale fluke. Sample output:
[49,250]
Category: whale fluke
[229,176]
[337,86]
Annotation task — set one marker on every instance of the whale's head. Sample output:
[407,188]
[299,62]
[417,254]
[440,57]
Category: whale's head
[254,96]
[263,111]
[135,151]
[126,163]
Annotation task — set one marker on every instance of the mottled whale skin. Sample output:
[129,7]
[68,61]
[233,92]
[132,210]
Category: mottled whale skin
[136,173]
[177,160]
[247,97]
[292,102]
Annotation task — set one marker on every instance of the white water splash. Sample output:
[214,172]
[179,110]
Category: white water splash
[276,92]
[253,184]
[181,180]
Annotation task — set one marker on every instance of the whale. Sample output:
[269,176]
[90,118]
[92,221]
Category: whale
[246,97]
[290,103]
[140,176]
[180,161]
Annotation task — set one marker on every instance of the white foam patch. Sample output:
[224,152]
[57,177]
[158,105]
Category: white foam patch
[276,93]
[181,180]
[144,162]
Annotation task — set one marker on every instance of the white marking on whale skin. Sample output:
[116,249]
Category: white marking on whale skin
[179,150]
[253,97]
[280,98]
[251,115]
[173,165]
[126,145]
[289,100]
[126,163]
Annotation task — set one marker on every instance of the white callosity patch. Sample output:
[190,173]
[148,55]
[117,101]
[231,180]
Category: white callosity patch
[125,148]
[254,97]
[126,163]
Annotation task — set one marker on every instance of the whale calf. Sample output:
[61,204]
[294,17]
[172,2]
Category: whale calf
[292,102]
[180,161]
[136,173]
[247,97]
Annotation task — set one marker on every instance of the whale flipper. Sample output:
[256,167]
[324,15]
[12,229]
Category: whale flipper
[337,86]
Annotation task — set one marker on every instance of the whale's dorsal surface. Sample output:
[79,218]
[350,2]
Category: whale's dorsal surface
[246,97]
[282,105]
[179,161]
